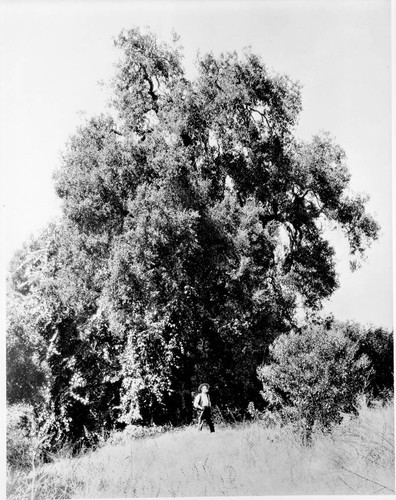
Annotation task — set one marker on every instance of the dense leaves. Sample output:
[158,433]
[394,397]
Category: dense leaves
[25,349]
[314,376]
[377,345]
[193,226]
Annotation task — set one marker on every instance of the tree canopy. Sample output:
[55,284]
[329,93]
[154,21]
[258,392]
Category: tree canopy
[194,226]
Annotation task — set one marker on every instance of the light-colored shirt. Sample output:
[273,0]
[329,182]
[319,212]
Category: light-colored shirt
[201,399]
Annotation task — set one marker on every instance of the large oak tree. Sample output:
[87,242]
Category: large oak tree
[194,225]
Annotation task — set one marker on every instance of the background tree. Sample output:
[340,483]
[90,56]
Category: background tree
[26,373]
[194,224]
[59,349]
[377,345]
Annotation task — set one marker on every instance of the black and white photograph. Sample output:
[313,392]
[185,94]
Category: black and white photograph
[196,243]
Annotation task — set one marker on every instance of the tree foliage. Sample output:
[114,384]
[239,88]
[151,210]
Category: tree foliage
[193,224]
[26,372]
[376,344]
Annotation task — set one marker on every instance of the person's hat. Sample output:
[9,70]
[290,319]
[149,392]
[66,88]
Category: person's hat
[203,385]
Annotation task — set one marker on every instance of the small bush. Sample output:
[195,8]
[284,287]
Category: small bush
[20,443]
[313,378]
[28,440]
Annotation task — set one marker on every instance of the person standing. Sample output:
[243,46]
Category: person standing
[203,404]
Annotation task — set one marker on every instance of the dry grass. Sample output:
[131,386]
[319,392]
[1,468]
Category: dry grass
[358,458]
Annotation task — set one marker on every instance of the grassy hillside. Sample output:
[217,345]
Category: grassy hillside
[358,458]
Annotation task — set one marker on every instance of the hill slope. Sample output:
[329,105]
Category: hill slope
[247,460]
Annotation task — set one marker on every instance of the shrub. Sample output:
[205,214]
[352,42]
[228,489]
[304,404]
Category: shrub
[377,345]
[29,438]
[20,445]
[314,376]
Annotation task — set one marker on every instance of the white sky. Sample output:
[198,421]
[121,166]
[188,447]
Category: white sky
[52,55]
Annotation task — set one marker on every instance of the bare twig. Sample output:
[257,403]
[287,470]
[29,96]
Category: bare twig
[349,486]
[366,479]
[376,492]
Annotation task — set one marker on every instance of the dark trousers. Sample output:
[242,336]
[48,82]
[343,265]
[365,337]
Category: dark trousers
[205,415]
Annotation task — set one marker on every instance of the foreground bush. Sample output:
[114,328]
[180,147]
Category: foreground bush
[20,445]
[314,376]
[28,439]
